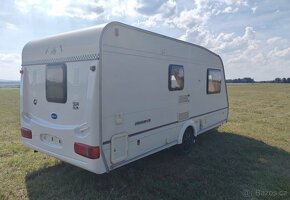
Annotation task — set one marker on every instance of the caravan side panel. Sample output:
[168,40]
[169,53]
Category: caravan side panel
[136,101]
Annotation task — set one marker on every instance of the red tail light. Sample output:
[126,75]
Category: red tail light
[87,151]
[26,133]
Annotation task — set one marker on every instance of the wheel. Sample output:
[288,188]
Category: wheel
[188,140]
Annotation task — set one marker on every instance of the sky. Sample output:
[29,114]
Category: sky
[251,36]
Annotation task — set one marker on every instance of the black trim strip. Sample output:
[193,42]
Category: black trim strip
[208,112]
[133,134]
[140,132]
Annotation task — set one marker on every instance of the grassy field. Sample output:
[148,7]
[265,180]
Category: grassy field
[247,158]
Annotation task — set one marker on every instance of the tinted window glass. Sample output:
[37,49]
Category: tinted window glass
[214,78]
[176,77]
[56,84]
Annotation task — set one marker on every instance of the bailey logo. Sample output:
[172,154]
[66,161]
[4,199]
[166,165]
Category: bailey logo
[53,115]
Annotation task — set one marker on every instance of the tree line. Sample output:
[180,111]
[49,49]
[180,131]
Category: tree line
[282,80]
[241,80]
[251,80]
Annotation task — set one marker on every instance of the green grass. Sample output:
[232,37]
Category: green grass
[247,158]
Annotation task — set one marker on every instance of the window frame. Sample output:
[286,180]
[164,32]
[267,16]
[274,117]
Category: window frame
[169,78]
[63,66]
[207,81]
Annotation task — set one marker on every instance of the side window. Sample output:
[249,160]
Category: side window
[214,79]
[56,84]
[175,77]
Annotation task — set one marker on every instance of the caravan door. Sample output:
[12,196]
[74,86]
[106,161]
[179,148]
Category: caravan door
[177,83]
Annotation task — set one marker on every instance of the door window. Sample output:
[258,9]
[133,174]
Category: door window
[175,77]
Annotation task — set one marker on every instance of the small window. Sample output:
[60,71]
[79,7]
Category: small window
[56,84]
[214,79]
[176,77]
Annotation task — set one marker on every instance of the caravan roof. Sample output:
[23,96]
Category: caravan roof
[84,44]
[67,47]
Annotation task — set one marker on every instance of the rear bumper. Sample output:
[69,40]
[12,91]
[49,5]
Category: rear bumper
[64,150]
[73,161]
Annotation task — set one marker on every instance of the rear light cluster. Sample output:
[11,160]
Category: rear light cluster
[26,133]
[92,152]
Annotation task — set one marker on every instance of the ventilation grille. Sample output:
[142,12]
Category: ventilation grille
[183,116]
[183,99]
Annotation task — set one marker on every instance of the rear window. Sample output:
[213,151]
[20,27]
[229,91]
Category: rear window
[214,79]
[56,84]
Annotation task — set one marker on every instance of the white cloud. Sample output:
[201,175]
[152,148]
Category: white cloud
[225,26]
[168,8]
[9,57]
[9,66]
[230,9]
[199,15]
[245,52]
[254,9]
[164,16]
[8,26]
[151,21]
[147,13]
[278,42]
[235,2]
[273,40]
[76,10]
[26,5]
[11,26]
[88,10]
[227,6]
[149,7]
[280,52]
[201,3]
[190,18]
[120,8]
[221,42]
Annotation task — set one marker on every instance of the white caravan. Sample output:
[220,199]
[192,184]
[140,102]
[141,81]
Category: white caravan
[102,97]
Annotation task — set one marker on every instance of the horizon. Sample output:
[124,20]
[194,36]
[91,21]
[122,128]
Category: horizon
[250,36]
[5,80]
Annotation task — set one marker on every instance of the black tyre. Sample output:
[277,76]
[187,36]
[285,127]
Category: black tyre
[188,141]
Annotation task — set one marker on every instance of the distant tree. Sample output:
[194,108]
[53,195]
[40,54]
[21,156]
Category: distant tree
[277,80]
[288,80]
[284,80]
[241,80]
[249,80]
